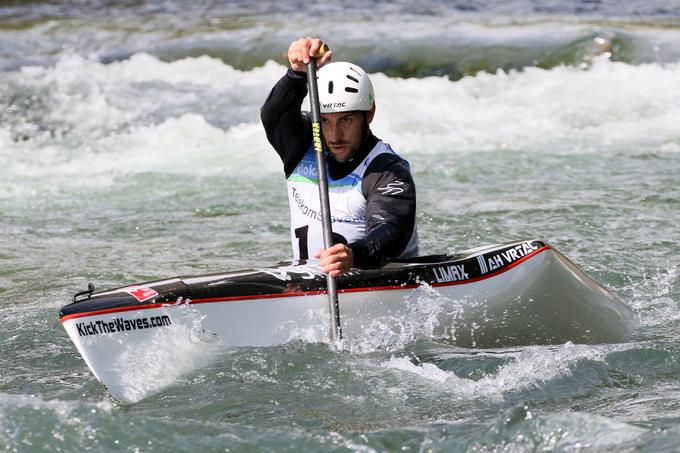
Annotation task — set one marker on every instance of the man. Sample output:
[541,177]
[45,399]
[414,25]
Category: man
[371,191]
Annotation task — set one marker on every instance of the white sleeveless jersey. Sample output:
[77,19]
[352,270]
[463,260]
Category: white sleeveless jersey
[347,204]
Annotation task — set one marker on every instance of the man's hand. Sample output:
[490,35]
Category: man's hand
[302,50]
[336,260]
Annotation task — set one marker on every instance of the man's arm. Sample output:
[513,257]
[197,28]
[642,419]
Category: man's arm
[286,128]
[390,212]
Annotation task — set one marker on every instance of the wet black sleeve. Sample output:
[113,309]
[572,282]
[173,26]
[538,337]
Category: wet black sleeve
[287,129]
[390,212]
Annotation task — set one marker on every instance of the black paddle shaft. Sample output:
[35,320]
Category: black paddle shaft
[334,309]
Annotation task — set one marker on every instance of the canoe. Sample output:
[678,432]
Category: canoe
[511,294]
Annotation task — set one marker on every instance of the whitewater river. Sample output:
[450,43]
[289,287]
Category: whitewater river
[131,149]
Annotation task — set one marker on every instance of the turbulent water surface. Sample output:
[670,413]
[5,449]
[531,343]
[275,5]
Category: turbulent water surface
[131,149]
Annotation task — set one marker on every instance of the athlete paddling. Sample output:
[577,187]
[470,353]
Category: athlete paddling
[371,190]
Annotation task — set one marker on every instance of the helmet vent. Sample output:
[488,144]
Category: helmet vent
[330,87]
[352,78]
[351,90]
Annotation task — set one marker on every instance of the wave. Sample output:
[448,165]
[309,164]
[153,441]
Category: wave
[200,116]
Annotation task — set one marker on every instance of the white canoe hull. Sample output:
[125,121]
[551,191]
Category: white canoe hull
[539,298]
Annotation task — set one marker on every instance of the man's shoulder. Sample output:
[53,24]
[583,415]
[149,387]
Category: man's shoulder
[388,174]
[385,158]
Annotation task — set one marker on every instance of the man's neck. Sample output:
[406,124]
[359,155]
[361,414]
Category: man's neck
[339,170]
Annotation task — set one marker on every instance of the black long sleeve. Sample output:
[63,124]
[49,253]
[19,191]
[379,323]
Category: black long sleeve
[287,129]
[390,212]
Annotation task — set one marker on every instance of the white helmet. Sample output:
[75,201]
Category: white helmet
[344,87]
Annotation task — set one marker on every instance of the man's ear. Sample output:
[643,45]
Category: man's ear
[371,114]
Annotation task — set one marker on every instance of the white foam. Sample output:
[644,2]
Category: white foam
[652,298]
[101,114]
[530,367]
[199,116]
[146,369]
[428,315]
[567,431]
[62,408]
[612,106]
[187,145]
[428,371]
[71,417]
[85,93]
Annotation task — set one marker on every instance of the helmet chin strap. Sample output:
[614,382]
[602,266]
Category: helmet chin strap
[364,135]
[366,128]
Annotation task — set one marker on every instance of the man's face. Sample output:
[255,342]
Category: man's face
[343,132]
